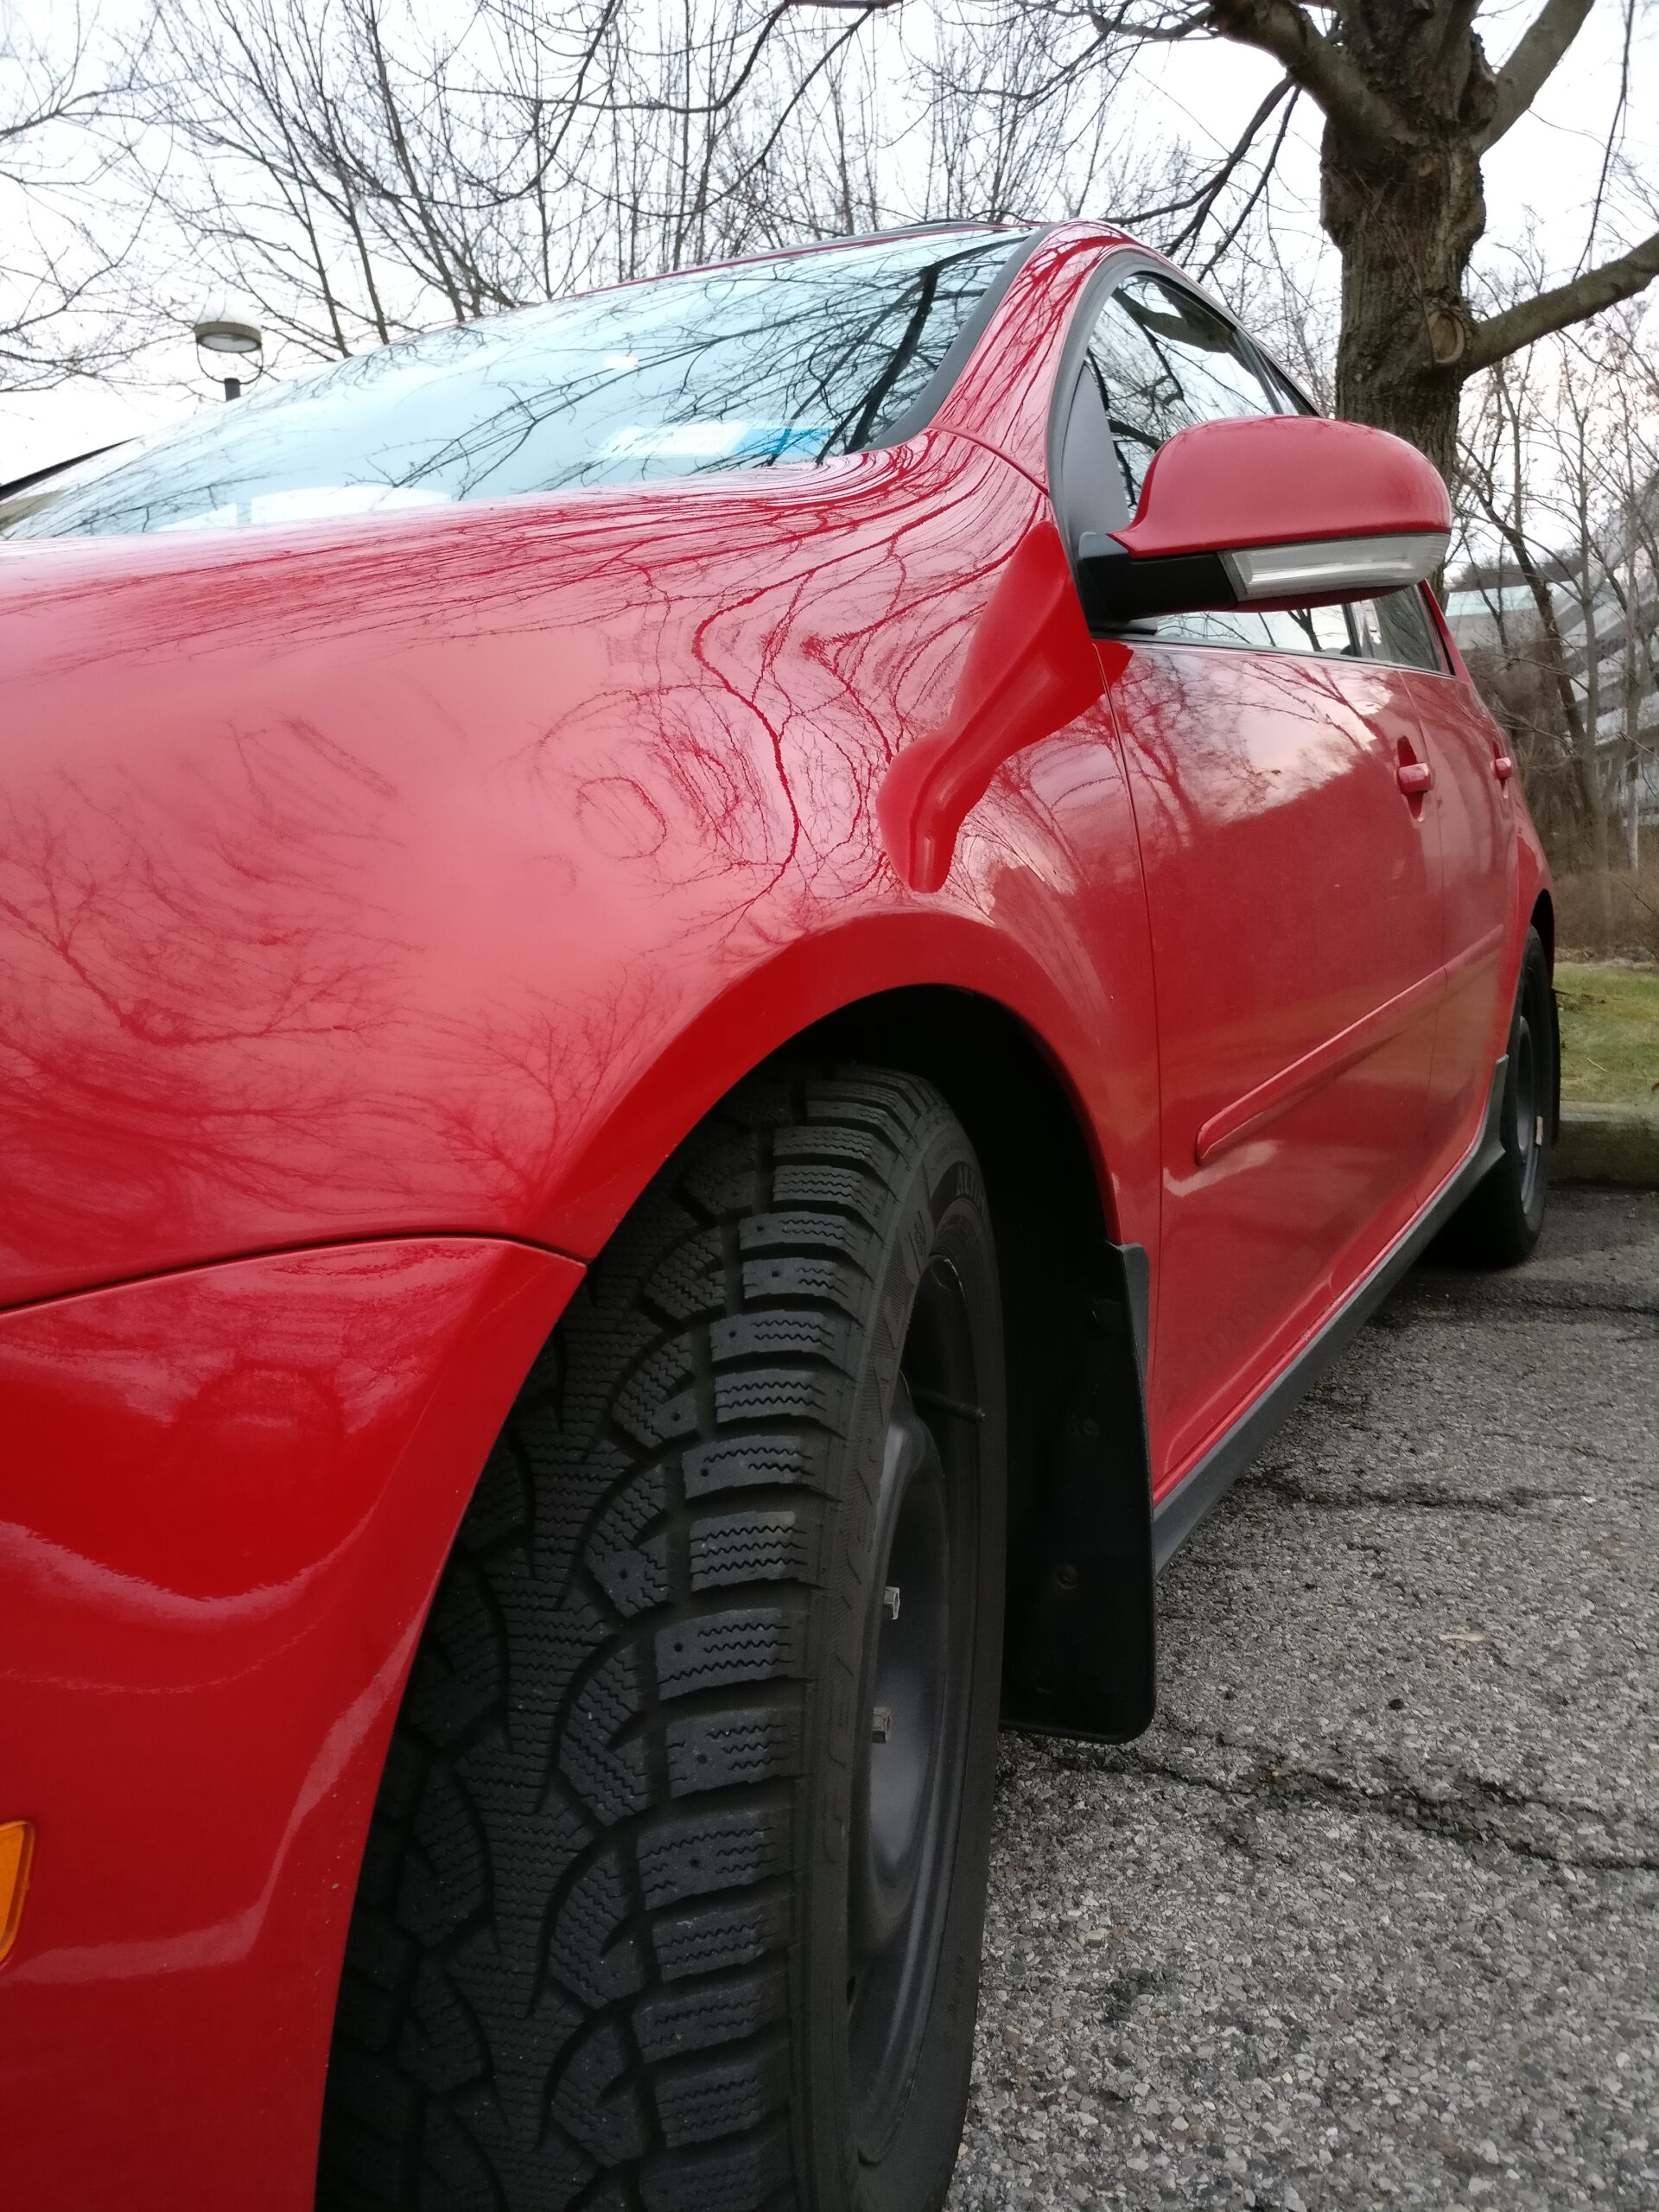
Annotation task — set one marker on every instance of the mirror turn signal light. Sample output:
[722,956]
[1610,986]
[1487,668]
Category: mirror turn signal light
[16,1850]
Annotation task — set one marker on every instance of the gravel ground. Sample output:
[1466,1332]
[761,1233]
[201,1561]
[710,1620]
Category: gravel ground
[1372,1915]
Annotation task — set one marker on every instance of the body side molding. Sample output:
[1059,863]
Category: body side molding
[1334,1057]
[1177,1516]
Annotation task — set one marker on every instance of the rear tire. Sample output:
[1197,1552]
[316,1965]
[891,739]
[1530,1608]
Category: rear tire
[649,1917]
[1501,1221]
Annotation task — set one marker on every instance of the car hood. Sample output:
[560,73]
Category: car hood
[188,589]
[351,876]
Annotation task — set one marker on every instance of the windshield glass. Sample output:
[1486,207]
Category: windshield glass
[790,360]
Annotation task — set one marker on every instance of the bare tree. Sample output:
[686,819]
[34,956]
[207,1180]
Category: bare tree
[361,167]
[1560,469]
[61,101]
[358,169]
[1627,467]
[350,172]
[1411,105]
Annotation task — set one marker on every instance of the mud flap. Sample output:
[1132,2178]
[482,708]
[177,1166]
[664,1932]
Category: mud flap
[1082,1635]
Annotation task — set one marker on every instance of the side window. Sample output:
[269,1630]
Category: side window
[1163,361]
[1160,360]
[1397,629]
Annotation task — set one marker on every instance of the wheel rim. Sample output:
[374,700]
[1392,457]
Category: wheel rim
[907,1787]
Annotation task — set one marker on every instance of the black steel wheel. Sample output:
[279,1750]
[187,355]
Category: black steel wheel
[921,1617]
[1501,1220]
[1527,1113]
[674,1897]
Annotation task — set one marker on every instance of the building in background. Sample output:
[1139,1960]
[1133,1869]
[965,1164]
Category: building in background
[1604,607]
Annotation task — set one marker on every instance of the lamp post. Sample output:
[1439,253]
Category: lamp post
[223,334]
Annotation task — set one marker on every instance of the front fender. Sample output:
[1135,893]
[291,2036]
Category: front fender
[228,1494]
[1102,1047]
[364,881]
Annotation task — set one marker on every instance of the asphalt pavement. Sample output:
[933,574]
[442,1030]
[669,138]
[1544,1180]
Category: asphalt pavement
[1372,1915]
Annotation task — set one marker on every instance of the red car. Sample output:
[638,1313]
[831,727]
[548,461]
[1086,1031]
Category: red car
[710,995]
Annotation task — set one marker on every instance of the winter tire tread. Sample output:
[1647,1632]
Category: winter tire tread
[568,1977]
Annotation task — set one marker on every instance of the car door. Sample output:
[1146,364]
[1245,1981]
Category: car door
[1292,887]
[1474,813]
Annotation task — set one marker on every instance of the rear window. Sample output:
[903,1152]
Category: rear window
[795,358]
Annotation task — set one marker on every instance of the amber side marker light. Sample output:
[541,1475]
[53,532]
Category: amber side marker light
[17,1849]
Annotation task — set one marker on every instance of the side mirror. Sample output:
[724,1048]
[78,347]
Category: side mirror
[1269,511]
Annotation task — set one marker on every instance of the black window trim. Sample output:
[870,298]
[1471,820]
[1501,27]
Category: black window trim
[939,386]
[1116,263]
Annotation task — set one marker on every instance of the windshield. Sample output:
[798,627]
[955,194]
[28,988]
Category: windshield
[790,360]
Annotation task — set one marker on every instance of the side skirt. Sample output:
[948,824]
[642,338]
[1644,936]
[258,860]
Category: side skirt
[1177,1516]
[1082,1626]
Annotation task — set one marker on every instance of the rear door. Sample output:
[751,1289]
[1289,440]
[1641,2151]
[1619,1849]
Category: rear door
[1294,895]
[1475,819]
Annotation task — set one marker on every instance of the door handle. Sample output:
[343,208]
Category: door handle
[1414,777]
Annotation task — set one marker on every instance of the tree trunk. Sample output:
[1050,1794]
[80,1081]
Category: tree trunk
[1633,818]
[1596,790]
[1405,227]
[1600,844]
[1405,210]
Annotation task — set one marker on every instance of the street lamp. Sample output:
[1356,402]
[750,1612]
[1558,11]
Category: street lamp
[224,335]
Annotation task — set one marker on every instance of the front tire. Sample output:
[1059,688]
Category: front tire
[674,1892]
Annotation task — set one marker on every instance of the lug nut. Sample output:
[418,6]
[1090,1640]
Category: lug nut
[881,1724]
[890,1601]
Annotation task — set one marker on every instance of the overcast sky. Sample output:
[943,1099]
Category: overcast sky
[1541,180]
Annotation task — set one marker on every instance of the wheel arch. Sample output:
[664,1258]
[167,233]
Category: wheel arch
[1543,920]
[1033,1145]
[1053,1074]
[1075,1320]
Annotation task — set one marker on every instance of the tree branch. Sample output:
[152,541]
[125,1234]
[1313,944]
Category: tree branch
[1315,64]
[1528,319]
[1528,68]
[1205,196]
[1257,193]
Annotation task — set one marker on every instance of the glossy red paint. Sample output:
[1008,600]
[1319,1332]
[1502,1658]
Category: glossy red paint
[227,1496]
[1481,871]
[304,942]
[1282,479]
[382,901]
[1294,902]
[1030,671]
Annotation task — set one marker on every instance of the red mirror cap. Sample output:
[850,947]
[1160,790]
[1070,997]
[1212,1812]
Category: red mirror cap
[1259,480]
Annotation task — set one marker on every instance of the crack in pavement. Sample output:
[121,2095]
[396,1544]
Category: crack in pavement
[1412,1497]
[1442,1305]
[1390,1980]
[1454,1818]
